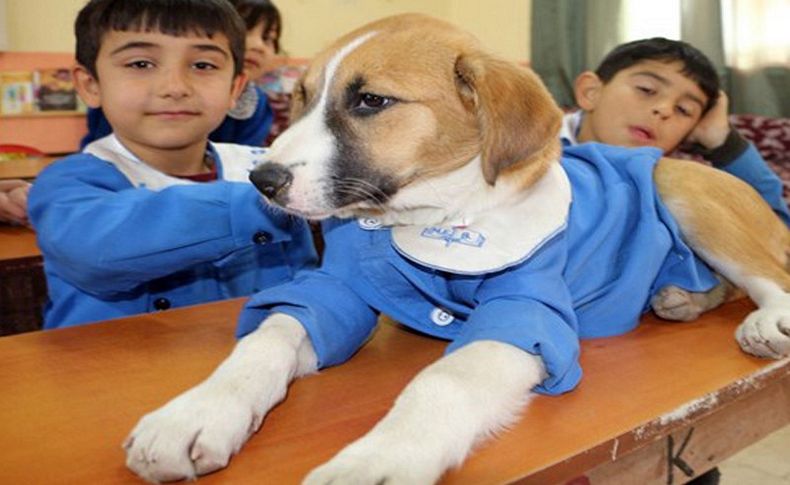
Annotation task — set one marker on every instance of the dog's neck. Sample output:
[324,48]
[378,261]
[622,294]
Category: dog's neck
[457,198]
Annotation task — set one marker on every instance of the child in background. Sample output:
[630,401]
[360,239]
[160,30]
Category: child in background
[249,121]
[264,27]
[13,201]
[155,216]
[664,93]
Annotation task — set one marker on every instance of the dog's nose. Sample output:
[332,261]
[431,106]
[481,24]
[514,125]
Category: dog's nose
[271,178]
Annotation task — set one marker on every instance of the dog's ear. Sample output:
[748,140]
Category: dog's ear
[516,113]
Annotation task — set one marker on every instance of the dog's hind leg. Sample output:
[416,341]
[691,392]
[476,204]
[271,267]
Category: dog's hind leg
[730,227]
[676,304]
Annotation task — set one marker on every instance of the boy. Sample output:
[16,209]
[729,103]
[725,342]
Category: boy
[665,93]
[154,216]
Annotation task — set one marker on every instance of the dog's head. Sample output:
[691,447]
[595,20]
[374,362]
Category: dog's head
[401,103]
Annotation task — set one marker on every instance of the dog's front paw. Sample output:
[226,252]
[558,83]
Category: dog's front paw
[362,463]
[194,434]
[766,333]
[673,303]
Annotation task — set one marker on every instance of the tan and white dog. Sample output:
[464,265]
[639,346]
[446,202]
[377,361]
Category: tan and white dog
[389,121]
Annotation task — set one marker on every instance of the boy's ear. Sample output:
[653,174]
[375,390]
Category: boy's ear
[236,88]
[587,89]
[87,86]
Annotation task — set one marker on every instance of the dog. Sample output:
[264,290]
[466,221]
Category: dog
[435,167]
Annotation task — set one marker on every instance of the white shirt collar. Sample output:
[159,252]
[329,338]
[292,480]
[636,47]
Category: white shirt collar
[502,238]
[571,123]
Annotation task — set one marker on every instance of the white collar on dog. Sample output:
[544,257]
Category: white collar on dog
[236,160]
[495,241]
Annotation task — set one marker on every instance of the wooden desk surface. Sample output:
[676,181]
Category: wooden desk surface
[17,242]
[70,396]
[24,168]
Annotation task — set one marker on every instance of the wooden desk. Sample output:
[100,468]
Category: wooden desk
[23,288]
[17,242]
[24,168]
[70,396]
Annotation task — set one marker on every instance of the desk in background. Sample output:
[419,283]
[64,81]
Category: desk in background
[23,287]
[70,397]
[24,168]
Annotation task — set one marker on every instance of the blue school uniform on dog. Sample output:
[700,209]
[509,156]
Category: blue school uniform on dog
[593,243]
[121,238]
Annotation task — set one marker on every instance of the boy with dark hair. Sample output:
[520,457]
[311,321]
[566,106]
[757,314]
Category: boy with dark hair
[154,215]
[665,93]
[250,120]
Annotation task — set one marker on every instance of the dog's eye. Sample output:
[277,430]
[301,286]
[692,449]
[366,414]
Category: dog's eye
[369,103]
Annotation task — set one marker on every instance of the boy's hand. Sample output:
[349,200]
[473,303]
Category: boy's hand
[712,129]
[13,201]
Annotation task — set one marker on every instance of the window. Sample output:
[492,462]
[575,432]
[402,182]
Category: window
[755,33]
[645,18]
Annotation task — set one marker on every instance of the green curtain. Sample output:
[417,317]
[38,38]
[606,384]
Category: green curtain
[568,37]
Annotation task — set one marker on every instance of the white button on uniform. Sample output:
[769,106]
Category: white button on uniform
[369,223]
[441,317]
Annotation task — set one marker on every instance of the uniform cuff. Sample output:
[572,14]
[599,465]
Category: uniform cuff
[732,148]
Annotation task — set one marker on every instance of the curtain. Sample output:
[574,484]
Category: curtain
[747,40]
[757,55]
[568,37]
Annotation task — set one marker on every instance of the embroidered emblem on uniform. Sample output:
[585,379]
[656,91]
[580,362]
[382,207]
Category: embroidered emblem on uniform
[452,235]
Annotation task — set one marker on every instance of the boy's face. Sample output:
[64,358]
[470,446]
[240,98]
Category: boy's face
[260,51]
[651,103]
[160,92]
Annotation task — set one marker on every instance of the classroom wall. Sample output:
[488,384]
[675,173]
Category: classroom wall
[309,25]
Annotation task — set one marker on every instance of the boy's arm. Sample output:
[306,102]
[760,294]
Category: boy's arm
[13,201]
[721,144]
[106,237]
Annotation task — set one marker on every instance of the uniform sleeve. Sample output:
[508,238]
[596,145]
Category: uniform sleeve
[750,167]
[530,307]
[336,319]
[107,237]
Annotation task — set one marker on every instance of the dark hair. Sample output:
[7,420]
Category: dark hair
[696,65]
[254,12]
[171,17]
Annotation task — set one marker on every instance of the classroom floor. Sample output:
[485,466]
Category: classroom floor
[766,462]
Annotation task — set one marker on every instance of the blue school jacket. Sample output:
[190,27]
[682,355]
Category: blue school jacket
[120,238]
[591,277]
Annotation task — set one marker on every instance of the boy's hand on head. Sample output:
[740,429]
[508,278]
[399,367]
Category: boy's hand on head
[712,129]
[13,201]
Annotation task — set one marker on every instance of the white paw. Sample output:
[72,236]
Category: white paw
[194,434]
[362,463]
[766,332]
[673,303]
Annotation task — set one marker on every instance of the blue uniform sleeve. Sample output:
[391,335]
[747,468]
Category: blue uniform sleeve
[336,319]
[752,169]
[250,131]
[530,307]
[107,237]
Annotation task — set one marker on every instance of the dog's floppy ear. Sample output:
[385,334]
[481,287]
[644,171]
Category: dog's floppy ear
[516,114]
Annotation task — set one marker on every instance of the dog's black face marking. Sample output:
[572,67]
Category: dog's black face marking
[361,103]
[353,177]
